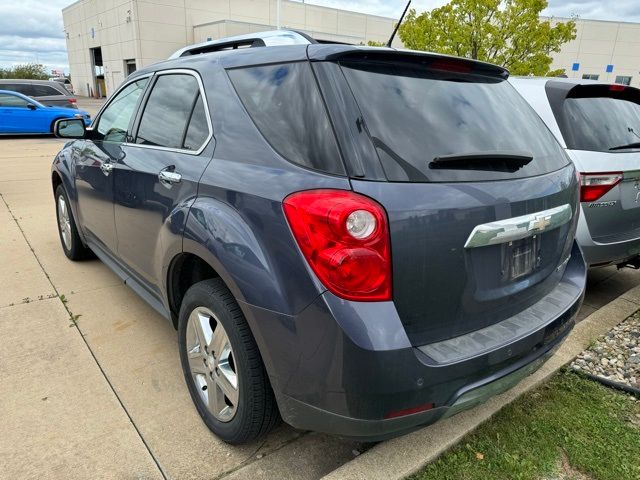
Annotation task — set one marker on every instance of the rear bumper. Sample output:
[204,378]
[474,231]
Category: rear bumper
[344,368]
[601,254]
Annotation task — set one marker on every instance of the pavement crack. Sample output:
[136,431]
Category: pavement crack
[73,318]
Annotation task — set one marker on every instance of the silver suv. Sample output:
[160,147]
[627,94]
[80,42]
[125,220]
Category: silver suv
[599,126]
[50,93]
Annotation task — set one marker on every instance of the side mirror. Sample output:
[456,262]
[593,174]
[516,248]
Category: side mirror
[69,128]
[31,106]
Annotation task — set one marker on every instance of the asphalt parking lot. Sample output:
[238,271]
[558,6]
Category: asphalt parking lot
[105,397]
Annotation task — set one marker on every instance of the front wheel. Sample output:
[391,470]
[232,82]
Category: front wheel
[222,365]
[72,245]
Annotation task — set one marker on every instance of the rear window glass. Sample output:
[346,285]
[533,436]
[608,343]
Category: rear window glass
[285,104]
[415,114]
[602,120]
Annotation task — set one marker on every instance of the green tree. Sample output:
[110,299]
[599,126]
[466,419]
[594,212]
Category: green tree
[509,33]
[31,71]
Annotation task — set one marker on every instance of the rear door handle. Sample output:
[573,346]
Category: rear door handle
[168,177]
[106,168]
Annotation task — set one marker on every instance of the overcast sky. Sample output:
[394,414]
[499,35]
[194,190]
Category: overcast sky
[31,30]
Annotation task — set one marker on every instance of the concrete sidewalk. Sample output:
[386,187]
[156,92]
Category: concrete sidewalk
[106,397]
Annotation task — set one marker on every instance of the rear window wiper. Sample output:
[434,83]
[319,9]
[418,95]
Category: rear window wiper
[506,161]
[629,145]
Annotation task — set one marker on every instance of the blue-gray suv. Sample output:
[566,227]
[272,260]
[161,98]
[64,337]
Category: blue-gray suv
[358,240]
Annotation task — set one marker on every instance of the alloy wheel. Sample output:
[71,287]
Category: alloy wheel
[64,222]
[212,364]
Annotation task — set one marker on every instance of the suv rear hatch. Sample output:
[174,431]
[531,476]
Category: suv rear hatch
[481,199]
[601,127]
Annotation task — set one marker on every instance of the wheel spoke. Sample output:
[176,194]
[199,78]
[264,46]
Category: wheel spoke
[196,362]
[215,397]
[219,341]
[227,388]
[203,329]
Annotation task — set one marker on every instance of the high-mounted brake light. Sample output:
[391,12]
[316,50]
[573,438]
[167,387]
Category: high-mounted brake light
[594,185]
[451,65]
[345,238]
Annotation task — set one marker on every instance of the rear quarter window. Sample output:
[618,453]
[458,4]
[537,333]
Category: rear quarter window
[285,104]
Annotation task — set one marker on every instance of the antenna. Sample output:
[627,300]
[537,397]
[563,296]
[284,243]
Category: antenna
[395,30]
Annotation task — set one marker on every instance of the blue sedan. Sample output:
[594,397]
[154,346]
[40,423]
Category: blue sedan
[20,114]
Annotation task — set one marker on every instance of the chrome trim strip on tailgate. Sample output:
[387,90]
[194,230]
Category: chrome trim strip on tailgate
[517,228]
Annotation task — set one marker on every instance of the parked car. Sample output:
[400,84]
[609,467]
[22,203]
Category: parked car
[49,93]
[361,240]
[599,126]
[20,114]
[65,82]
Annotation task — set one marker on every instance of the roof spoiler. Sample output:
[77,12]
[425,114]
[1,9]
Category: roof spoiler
[262,39]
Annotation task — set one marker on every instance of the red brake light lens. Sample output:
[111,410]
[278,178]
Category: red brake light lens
[72,100]
[594,185]
[345,238]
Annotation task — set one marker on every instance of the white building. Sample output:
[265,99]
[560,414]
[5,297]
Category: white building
[602,50]
[108,39]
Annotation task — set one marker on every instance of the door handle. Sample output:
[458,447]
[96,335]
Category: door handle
[168,177]
[106,168]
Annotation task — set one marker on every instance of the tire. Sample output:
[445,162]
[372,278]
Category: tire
[72,245]
[212,358]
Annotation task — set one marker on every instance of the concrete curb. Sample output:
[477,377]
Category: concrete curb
[403,456]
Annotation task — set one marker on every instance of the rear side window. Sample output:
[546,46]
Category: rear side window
[15,87]
[198,129]
[417,115]
[285,104]
[174,115]
[601,118]
[44,91]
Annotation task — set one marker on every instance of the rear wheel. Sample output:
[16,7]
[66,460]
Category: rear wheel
[72,245]
[222,365]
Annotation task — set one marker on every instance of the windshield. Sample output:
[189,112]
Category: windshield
[416,115]
[601,123]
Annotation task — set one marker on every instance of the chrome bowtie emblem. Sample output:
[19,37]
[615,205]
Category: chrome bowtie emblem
[539,224]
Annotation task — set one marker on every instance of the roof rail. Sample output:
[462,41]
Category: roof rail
[261,39]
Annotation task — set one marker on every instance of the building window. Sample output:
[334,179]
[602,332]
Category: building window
[590,76]
[623,80]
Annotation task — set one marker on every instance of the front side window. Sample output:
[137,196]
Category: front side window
[166,118]
[12,101]
[285,104]
[114,120]
[601,118]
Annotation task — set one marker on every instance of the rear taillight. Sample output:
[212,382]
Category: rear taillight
[594,185]
[345,238]
[72,100]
